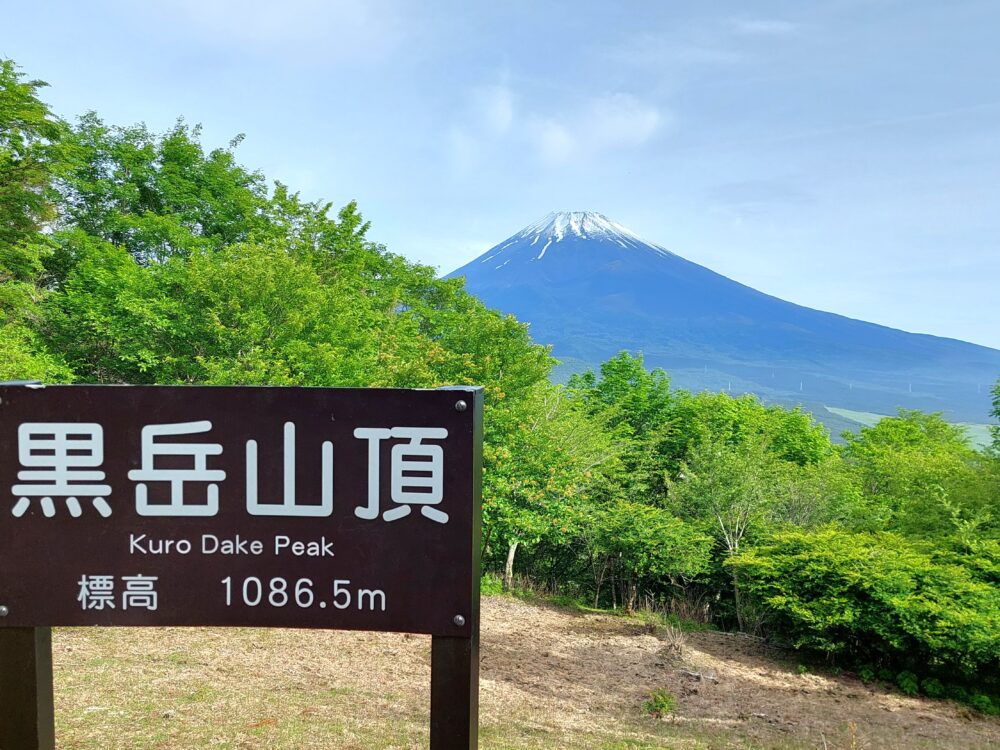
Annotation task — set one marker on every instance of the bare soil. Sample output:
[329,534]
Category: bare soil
[551,678]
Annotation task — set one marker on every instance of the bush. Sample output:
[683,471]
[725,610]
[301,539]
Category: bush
[878,599]
[908,683]
[661,703]
[932,688]
[491,585]
[958,693]
[985,703]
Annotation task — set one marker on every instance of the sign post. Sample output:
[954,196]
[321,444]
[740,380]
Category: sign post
[26,709]
[270,507]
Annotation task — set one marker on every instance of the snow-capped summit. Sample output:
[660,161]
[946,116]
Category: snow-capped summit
[571,228]
[587,225]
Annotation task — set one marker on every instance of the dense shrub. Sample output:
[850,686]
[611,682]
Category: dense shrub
[878,599]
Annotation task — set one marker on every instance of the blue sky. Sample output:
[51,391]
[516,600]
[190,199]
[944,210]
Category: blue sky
[843,154]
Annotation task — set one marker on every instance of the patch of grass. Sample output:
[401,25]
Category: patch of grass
[526,590]
[201,694]
[657,620]
[98,662]
[666,620]
[866,418]
[560,601]
[621,736]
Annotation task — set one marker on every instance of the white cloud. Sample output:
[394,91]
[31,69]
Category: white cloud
[668,51]
[494,107]
[491,123]
[705,55]
[714,44]
[464,149]
[621,120]
[553,140]
[763,27]
[604,123]
[485,118]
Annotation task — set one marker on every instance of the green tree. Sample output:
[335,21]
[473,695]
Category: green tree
[637,403]
[828,491]
[732,491]
[29,153]
[791,435]
[29,159]
[157,196]
[917,470]
[637,542]
[626,393]
[540,470]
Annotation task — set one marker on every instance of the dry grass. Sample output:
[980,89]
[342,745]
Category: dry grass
[550,679]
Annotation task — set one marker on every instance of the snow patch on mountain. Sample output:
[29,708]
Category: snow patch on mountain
[578,225]
[586,225]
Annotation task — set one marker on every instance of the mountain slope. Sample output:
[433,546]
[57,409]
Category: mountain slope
[590,287]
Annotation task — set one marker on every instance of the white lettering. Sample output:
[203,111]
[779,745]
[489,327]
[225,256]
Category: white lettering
[317,548]
[135,544]
[211,545]
[140,544]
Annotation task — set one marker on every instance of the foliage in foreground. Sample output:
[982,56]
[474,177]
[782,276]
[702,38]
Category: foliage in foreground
[884,604]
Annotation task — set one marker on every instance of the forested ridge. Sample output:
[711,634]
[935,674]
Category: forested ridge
[128,256]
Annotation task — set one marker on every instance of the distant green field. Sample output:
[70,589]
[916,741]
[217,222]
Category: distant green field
[979,434]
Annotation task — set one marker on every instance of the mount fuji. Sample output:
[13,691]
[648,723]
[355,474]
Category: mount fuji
[591,288]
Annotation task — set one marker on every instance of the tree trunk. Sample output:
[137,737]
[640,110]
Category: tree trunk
[630,594]
[508,569]
[599,581]
[738,598]
[484,548]
[614,586]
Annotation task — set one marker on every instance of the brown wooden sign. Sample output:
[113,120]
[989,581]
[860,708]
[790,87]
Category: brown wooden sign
[290,507]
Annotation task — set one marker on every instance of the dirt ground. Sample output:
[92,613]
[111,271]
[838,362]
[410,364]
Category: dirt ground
[551,678]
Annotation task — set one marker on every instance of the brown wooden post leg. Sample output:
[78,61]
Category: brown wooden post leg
[455,692]
[27,714]
[455,661]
